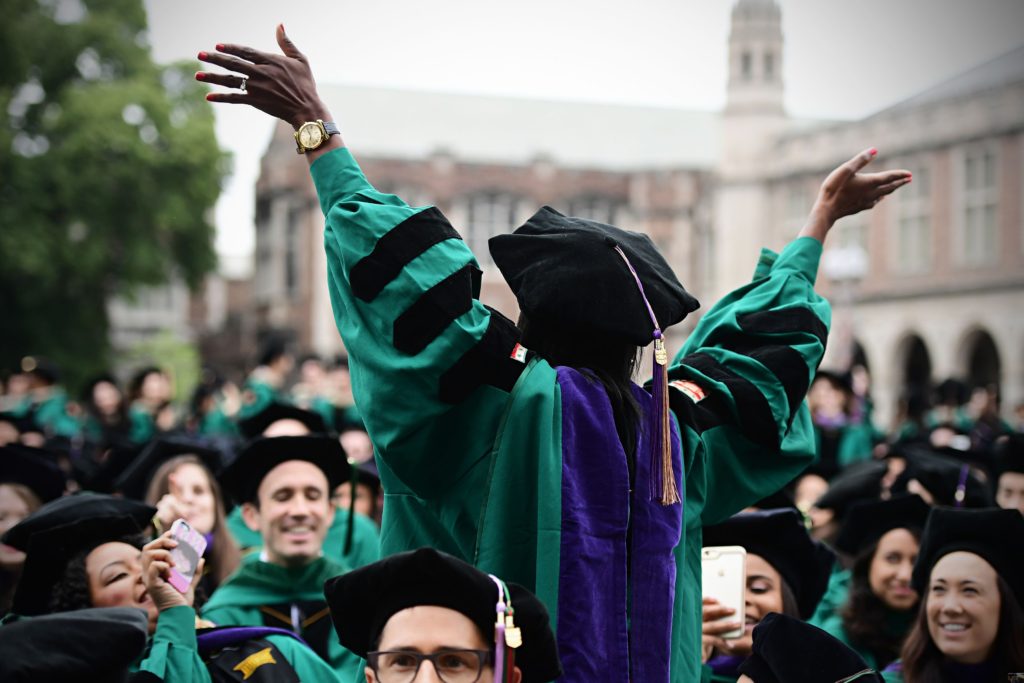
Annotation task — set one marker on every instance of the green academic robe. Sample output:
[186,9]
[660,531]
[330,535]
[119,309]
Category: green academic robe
[172,653]
[365,537]
[264,594]
[51,414]
[469,438]
[828,617]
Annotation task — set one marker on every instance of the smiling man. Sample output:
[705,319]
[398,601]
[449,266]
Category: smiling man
[283,485]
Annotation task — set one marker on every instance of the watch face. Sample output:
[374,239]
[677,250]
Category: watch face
[310,135]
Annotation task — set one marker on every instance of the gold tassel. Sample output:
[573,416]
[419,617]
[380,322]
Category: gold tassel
[669,490]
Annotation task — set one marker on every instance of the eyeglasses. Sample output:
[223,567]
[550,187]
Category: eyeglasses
[452,666]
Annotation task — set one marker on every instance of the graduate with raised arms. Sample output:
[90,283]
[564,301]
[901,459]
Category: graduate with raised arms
[525,448]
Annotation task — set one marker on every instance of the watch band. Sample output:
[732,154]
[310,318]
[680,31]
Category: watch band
[330,128]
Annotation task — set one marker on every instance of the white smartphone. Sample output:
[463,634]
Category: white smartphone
[724,578]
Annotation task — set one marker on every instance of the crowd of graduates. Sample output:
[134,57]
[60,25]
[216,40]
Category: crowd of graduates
[524,512]
[842,547]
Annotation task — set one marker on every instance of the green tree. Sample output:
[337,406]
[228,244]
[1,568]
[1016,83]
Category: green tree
[109,169]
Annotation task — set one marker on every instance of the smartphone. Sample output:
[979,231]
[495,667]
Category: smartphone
[724,578]
[186,556]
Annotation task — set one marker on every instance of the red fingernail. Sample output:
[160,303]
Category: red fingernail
[200,76]
[209,97]
[220,47]
[202,55]
[873,151]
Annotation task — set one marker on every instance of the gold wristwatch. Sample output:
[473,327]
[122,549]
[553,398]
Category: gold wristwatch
[312,134]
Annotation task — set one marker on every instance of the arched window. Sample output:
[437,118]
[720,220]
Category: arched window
[769,66]
[917,365]
[746,62]
[982,365]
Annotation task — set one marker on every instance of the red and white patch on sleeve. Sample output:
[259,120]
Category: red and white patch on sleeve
[692,390]
[518,353]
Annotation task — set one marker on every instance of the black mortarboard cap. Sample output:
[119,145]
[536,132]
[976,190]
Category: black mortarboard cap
[23,423]
[842,381]
[868,521]
[780,537]
[860,481]
[995,534]
[255,425]
[59,531]
[97,645]
[81,506]
[106,469]
[363,600]
[952,392]
[366,474]
[243,476]
[943,476]
[566,270]
[33,468]
[1009,455]
[776,501]
[42,368]
[135,478]
[787,650]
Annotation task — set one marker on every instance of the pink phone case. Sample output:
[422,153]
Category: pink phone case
[186,555]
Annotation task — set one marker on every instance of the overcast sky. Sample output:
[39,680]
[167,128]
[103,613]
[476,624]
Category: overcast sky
[842,59]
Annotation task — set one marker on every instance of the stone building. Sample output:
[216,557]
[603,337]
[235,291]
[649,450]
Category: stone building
[928,285]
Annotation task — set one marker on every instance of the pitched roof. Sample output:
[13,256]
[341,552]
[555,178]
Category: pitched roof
[507,130]
[1001,71]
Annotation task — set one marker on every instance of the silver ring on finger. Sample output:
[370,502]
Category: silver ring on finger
[244,81]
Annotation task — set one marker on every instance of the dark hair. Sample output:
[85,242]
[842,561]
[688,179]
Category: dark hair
[138,379]
[790,607]
[72,592]
[273,348]
[922,660]
[120,416]
[865,614]
[610,361]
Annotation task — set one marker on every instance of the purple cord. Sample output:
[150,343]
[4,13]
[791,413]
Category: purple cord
[499,632]
[961,487]
[643,295]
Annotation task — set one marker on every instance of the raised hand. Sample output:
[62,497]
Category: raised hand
[847,191]
[156,569]
[712,629]
[281,85]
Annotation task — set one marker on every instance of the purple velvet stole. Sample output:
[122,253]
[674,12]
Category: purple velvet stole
[614,624]
[726,666]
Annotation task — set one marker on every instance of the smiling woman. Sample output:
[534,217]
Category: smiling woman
[971,623]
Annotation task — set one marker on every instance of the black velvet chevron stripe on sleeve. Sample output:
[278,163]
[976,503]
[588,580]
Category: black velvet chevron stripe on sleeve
[434,311]
[754,411]
[489,362]
[396,249]
[785,362]
[796,319]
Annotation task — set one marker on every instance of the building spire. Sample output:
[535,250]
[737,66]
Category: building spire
[755,59]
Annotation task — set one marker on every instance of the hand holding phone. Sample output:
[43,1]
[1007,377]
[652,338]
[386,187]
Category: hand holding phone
[186,555]
[723,578]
